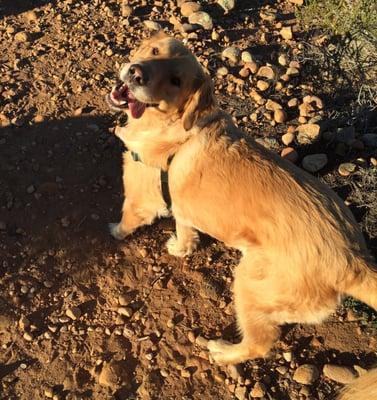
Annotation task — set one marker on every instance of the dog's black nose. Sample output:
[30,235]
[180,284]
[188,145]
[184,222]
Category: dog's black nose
[138,74]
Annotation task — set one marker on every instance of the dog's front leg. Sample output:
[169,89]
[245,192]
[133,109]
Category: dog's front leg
[143,202]
[184,242]
[131,220]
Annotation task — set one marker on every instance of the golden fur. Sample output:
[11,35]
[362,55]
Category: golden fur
[302,249]
[362,388]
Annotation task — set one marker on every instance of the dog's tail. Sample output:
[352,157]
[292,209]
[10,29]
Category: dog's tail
[363,284]
[362,388]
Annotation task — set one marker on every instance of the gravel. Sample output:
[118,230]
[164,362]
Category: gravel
[80,313]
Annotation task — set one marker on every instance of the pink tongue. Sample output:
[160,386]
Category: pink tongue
[137,108]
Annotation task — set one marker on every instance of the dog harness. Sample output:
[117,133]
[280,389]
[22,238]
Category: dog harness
[164,178]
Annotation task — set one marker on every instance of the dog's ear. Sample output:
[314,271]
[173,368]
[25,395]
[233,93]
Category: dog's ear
[154,36]
[200,101]
[158,35]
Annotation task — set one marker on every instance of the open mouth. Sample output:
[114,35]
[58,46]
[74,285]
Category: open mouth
[121,98]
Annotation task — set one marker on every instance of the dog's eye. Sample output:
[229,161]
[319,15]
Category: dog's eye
[175,81]
[155,51]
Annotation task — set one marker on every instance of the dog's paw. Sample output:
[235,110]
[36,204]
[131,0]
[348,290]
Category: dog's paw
[116,231]
[176,249]
[220,350]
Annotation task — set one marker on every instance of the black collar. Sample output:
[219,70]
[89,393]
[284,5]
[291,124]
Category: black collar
[164,178]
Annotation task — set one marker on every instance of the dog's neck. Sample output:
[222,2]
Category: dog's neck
[158,135]
[155,142]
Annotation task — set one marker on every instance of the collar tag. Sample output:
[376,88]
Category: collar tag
[135,156]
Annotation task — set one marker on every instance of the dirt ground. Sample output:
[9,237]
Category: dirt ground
[85,317]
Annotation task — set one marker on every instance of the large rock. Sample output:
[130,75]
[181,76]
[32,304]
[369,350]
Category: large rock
[273,105]
[152,25]
[306,374]
[227,5]
[370,139]
[314,162]
[266,72]
[346,135]
[280,116]
[308,133]
[201,18]
[339,374]
[189,8]
[22,37]
[232,53]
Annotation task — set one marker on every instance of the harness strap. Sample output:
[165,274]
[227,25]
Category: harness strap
[164,179]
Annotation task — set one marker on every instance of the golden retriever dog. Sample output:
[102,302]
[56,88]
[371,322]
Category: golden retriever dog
[301,247]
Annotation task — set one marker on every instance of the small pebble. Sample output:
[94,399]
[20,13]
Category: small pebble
[222,71]
[125,311]
[27,336]
[287,356]
[266,72]
[292,103]
[30,189]
[246,57]
[191,337]
[73,313]
[227,5]
[282,60]
[280,116]
[258,390]
[49,392]
[240,393]
[286,33]
[152,25]
[262,85]
[126,10]
[22,37]
[288,138]
[185,373]
[23,323]
[346,169]
[232,53]
[164,373]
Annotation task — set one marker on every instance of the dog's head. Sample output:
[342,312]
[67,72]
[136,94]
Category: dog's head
[162,72]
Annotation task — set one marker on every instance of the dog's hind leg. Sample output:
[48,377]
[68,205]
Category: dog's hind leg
[259,336]
[258,331]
